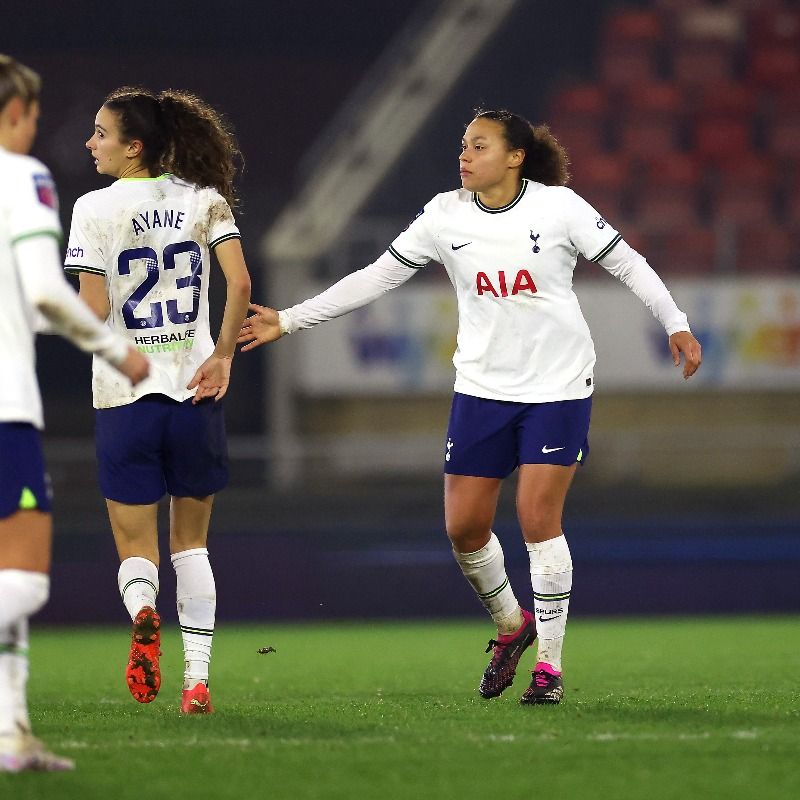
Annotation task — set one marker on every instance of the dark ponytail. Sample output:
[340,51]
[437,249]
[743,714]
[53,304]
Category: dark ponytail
[546,161]
[180,134]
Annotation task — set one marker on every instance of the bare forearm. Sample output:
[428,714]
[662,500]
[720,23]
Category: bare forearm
[238,297]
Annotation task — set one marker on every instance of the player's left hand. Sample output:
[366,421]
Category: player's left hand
[211,379]
[684,342]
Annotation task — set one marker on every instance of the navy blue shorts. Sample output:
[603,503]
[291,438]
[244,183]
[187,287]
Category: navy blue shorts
[491,438]
[24,484]
[156,446]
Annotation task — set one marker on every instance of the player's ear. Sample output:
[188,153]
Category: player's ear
[14,110]
[516,157]
[135,148]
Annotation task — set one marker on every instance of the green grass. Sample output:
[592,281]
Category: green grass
[655,709]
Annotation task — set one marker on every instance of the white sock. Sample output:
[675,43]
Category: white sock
[138,584]
[197,605]
[551,578]
[22,594]
[485,569]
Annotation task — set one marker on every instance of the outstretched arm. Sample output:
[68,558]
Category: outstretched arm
[46,289]
[351,292]
[632,269]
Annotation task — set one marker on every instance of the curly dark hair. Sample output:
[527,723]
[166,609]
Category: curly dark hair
[546,161]
[181,134]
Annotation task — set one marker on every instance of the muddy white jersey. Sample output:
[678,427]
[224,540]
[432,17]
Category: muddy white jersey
[150,239]
[521,333]
[28,207]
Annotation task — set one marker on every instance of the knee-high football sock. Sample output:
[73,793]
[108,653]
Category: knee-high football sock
[138,584]
[485,569]
[551,578]
[197,605]
[22,594]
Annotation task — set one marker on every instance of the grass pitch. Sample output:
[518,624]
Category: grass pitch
[655,709]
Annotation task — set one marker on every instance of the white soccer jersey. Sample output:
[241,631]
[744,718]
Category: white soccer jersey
[150,239]
[28,207]
[521,333]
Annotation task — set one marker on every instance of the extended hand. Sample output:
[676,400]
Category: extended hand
[261,328]
[684,342]
[211,379]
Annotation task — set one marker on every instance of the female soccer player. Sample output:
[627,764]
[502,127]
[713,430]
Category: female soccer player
[524,362]
[141,247]
[31,282]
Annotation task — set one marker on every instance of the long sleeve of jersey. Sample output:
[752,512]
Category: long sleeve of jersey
[351,292]
[46,289]
[632,269]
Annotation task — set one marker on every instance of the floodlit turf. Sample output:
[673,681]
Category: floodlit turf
[689,709]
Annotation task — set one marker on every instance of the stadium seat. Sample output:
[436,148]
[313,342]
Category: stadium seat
[604,180]
[668,193]
[700,61]
[722,137]
[628,64]
[782,130]
[775,66]
[776,26]
[745,191]
[651,120]
[688,251]
[633,25]
[766,248]
[579,120]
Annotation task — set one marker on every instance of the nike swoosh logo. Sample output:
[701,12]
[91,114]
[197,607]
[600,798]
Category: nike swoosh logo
[549,619]
[459,246]
[547,449]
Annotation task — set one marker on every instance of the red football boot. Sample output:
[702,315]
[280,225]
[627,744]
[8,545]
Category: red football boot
[143,674]
[197,700]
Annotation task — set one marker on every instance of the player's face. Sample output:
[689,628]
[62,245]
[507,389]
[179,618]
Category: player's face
[486,162]
[111,155]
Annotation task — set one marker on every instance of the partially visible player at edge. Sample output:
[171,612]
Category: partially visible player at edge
[142,249]
[31,283]
[509,241]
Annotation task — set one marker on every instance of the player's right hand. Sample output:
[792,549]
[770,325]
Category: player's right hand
[261,328]
[135,366]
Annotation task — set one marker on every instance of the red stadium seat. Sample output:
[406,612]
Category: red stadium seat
[578,120]
[637,25]
[651,120]
[604,180]
[700,61]
[722,138]
[689,251]
[766,248]
[629,63]
[669,194]
[777,26]
[746,191]
[775,66]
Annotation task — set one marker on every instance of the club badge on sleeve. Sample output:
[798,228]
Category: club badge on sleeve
[46,190]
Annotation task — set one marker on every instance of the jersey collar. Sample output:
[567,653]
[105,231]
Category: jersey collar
[157,178]
[506,207]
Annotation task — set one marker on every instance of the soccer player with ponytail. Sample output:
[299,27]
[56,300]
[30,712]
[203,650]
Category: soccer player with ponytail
[142,249]
[509,241]
[33,292]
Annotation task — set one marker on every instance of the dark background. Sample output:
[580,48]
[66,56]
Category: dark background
[336,547]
